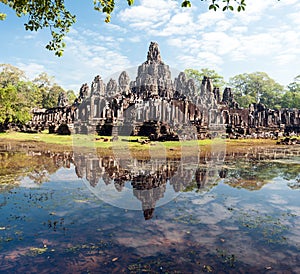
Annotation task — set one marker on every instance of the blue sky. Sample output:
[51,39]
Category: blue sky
[266,37]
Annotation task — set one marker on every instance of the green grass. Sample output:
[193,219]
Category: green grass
[91,140]
[41,137]
[103,142]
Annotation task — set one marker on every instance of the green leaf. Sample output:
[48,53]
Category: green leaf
[130,2]
[59,53]
[2,16]
[186,4]
[107,19]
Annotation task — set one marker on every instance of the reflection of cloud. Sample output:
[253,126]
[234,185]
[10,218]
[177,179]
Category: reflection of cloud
[163,236]
[294,210]
[65,175]
[256,207]
[294,231]
[203,200]
[232,201]
[214,214]
[277,199]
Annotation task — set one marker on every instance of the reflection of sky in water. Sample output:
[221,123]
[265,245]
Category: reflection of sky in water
[60,226]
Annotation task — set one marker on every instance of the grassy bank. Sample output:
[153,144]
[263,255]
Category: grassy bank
[40,137]
[132,145]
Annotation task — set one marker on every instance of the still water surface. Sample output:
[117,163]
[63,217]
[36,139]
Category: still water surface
[237,212]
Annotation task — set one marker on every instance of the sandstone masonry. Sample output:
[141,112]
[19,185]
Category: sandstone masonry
[155,105]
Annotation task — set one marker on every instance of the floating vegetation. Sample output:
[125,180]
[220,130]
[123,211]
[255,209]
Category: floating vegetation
[187,219]
[35,251]
[161,265]
[89,247]
[270,227]
[207,268]
[55,224]
[227,258]
[8,239]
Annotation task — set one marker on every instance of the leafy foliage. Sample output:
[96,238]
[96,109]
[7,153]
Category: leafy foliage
[54,15]
[71,95]
[50,14]
[18,95]
[51,97]
[218,80]
[256,87]
[291,98]
[14,103]
[10,75]
[13,107]
[2,16]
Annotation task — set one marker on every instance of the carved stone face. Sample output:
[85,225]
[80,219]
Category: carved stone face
[154,53]
[62,100]
[111,88]
[124,79]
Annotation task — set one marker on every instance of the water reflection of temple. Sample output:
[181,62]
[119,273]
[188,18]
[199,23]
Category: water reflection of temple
[149,179]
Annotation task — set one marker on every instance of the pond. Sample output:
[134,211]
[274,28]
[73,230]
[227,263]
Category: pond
[232,211]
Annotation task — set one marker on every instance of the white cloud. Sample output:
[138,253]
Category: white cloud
[135,39]
[255,9]
[116,28]
[284,3]
[265,37]
[294,18]
[30,36]
[284,59]
[210,18]
[223,25]
[238,29]
[149,14]
[219,42]
[89,57]
[181,19]
[31,69]
[260,36]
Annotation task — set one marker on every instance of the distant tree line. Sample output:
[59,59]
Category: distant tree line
[254,87]
[19,95]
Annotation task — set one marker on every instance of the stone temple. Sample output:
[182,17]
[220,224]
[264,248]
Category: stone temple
[156,105]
